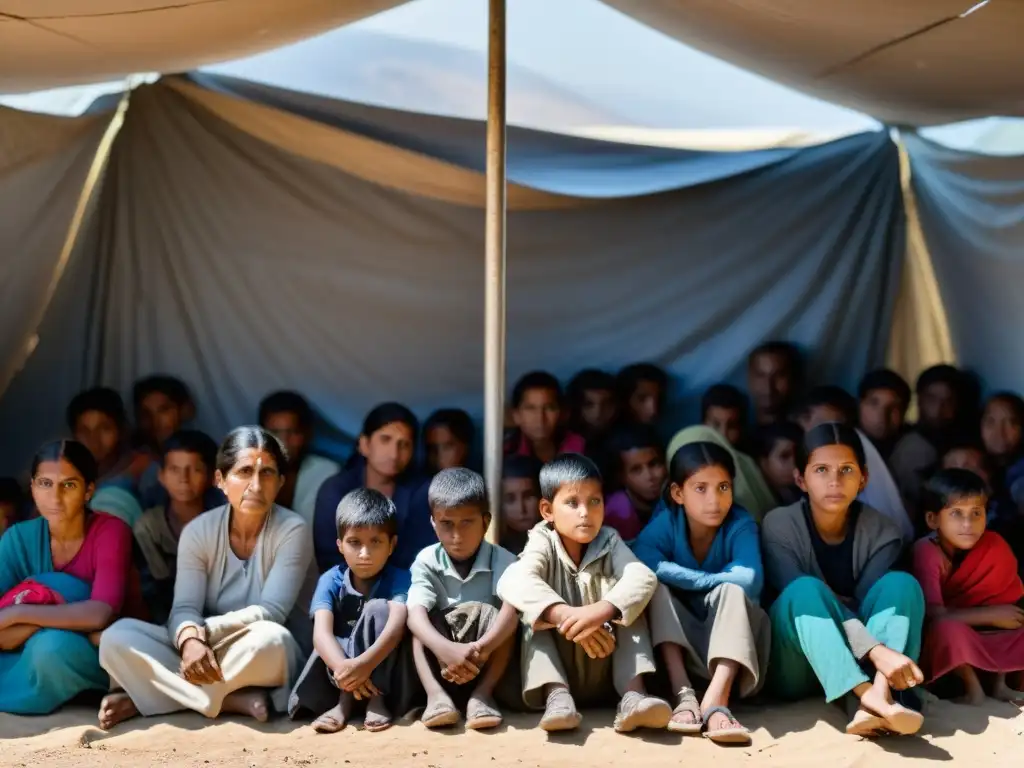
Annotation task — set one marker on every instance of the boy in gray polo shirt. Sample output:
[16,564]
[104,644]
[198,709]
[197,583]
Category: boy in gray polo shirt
[463,636]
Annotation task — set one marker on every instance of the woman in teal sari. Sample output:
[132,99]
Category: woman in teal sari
[75,560]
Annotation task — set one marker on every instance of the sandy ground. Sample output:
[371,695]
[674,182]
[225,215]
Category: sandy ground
[807,734]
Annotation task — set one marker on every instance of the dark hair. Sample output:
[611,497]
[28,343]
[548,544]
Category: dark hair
[518,467]
[940,374]
[723,396]
[693,457]
[588,380]
[389,413]
[244,438]
[101,399]
[191,441]
[366,508]
[784,349]
[832,433]
[457,421]
[71,451]
[883,378]
[1013,400]
[12,493]
[769,435]
[566,469]
[630,377]
[948,486]
[175,390]
[458,487]
[833,396]
[631,437]
[286,402]
[535,380]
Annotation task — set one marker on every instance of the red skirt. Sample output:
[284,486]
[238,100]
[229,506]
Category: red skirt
[950,644]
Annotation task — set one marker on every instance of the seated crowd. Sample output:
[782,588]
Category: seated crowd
[804,542]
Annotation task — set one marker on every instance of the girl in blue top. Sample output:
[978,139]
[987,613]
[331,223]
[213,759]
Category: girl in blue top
[705,617]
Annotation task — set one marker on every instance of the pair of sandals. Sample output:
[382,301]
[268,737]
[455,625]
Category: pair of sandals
[734,733]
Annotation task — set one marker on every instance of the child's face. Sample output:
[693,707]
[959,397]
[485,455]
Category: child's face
[1000,429]
[388,450]
[366,550]
[460,530]
[100,434]
[970,459]
[577,511]
[444,449]
[770,381]
[937,404]
[821,414]
[725,421]
[960,524]
[598,409]
[645,402]
[185,477]
[643,473]
[706,496]
[520,503]
[833,478]
[538,414]
[881,414]
[287,427]
[779,466]
[159,417]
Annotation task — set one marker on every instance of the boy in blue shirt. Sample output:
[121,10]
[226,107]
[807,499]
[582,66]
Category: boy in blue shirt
[359,615]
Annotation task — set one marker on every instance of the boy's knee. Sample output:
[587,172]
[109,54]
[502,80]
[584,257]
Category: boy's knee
[727,592]
[900,583]
[805,588]
[377,610]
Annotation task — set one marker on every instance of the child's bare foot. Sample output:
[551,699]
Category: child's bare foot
[973,698]
[560,712]
[335,718]
[637,710]
[116,708]
[440,711]
[898,719]
[482,713]
[1003,692]
[251,702]
[378,716]
[866,724]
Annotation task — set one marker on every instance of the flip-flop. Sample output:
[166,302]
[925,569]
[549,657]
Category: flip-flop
[687,703]
[560,713]
[866,724]
[376,726]
[481,715]
[737,735]
[639,711]
[327,723]
[905,723]
[440,715]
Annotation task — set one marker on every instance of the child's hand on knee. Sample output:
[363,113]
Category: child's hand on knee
[599,645]
[457,662]
[352,674]
[579,623]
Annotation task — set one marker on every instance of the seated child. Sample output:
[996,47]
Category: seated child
[724,409]
[358,613]
[971,587]
[883,397]
[537,414]
[97,419]
[775,451]
[11,500]
[638,457]
[187,462]
[844,621]
[708,620]
[448,436]
[463,636]
[573,584]
[642,388]
[592,404]
[520,497]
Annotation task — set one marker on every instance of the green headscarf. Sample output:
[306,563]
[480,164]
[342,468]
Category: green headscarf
[750,490]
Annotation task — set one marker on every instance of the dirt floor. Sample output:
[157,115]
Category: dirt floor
[807,734]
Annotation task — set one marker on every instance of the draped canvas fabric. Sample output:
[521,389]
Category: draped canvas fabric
[243,268]
[44,162]
[972,214]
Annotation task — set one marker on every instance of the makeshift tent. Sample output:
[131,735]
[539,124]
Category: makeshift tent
[281,240]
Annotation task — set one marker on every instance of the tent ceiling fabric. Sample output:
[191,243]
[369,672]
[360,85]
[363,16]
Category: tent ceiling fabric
[50,43]
[916,62]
